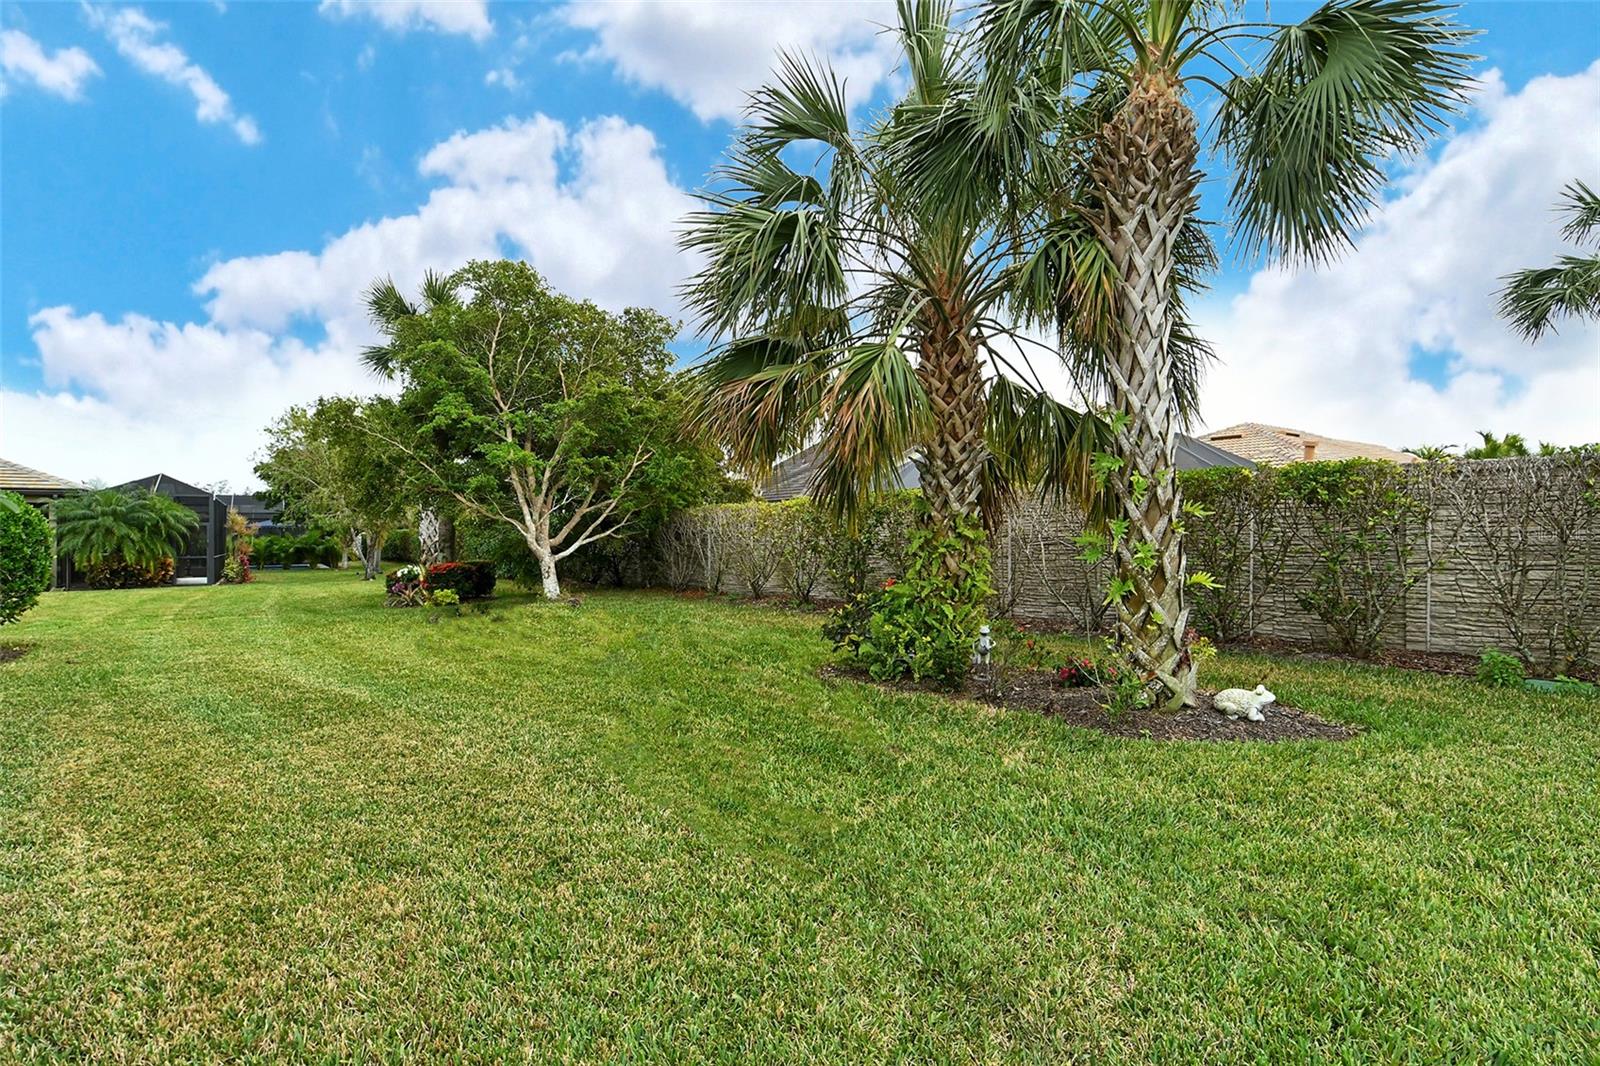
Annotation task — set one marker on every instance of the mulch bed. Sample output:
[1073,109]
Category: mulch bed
[8,652]
[1433,662]
[1035,690]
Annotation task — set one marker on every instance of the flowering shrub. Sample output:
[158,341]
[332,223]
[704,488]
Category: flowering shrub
[404,588]
[1079,673]
[923,626]
[469,580]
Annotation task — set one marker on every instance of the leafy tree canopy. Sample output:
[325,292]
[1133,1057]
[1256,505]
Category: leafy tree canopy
[328,469]
[526,407]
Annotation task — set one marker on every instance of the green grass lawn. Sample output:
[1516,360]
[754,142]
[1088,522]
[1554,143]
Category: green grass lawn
[280,821]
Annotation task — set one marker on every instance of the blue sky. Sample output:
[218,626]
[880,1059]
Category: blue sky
[183,191]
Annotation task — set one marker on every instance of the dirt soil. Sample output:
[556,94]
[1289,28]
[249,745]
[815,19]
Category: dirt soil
[1035,690]
[8,652]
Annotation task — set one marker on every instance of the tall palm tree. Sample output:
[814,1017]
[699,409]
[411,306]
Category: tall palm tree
[392,313]
[1086,105]
[1533,299]
[846,307]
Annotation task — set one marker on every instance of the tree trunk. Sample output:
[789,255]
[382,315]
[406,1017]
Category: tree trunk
[372,558]
[447,538]
[428,540]
[547,574]
[950,465]
[1144,168]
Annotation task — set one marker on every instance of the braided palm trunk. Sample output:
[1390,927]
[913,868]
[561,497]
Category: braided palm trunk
[950,465]
[1144,167]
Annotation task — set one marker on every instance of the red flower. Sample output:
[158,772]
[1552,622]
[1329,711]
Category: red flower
[889,584]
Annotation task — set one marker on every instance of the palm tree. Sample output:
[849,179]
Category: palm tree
[393,314]
[1510,446]
[1533,299]
[1085,108]
[844,306]
[133,526]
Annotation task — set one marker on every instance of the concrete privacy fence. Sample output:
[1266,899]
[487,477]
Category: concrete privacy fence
[1447,557]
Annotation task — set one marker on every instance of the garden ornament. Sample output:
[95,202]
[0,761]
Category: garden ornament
[982,647]
[1243,702]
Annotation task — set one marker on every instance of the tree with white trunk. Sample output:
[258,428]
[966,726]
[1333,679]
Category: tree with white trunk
[526,407]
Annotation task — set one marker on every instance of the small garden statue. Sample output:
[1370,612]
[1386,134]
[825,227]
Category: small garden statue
[1243,703]
[982,647]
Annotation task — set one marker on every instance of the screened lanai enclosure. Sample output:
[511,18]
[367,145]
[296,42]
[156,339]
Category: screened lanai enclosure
[204,554]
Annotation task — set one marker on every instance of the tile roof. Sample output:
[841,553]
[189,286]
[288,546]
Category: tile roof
[30,482]
[1279,445]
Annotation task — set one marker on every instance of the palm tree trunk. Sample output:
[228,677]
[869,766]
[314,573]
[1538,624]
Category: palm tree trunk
[950,464]
[1145,170]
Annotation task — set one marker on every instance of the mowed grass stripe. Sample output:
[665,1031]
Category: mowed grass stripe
[282,822]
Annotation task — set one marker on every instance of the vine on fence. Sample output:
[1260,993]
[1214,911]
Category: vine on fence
[1347,541]
[1354,523]
[1520,534]
[1243,540]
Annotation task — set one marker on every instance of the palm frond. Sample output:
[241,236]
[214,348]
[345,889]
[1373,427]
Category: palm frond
[1339,93]
[1581,205]
[1533,300]
[438,290]
[877,412]
[1038,444]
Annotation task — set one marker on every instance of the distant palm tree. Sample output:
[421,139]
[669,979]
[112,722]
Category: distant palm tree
[1433,453]
[1512,445]
[1085,110]
[134,526]
[1533,299]
[848,309]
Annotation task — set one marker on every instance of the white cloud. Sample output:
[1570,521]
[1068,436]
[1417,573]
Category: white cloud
[62,72]
[708,54]
[604,230]
[1331,350]
[592,208]
[469,17]
[135,36]
[504,77]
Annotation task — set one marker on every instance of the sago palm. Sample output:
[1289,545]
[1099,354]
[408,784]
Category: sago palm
[1533,299]
[135,526]
[1086,109]
[847,309]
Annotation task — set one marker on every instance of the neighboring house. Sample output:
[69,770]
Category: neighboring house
[268,516]
[40,490]
[793,476]
[202,558]
[1278,445]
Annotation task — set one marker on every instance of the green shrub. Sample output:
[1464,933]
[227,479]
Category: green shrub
[24,556]
[469,580]
[1499,670]
[122,531]
[1355,514]
[923,626]
[120,574]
